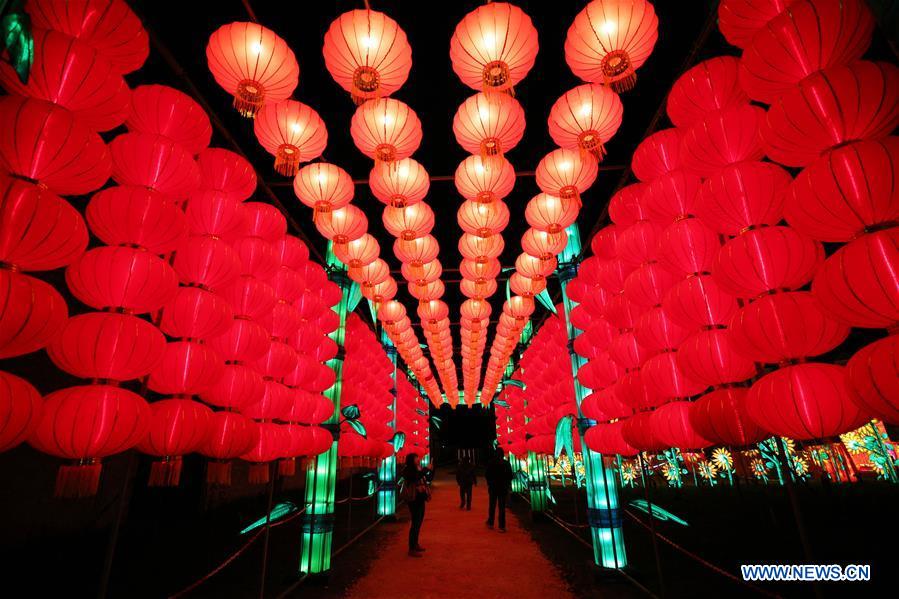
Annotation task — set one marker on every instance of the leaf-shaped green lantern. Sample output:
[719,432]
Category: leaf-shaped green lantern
[563,437]
[16,38]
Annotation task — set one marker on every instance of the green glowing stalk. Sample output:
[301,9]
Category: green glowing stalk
[387,468]
[602,490]
[321,476]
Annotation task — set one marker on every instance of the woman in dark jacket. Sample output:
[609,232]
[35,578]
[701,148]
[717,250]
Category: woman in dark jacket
[415,478]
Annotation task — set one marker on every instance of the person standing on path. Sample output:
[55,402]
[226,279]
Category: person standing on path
[416,493]
[466,477]
[499,482]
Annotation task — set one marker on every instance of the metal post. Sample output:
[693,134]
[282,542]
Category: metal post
[321,475]
[603,512]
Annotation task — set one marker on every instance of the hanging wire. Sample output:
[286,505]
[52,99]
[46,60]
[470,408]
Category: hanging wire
[250,11]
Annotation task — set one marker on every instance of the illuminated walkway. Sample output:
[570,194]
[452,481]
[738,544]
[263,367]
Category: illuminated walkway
[463,558]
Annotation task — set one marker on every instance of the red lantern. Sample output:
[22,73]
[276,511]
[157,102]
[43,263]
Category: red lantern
[129,215]
[607,439]
[386,130]
[646,286]
[323,186]
[358,252]
[31,313]
[71,74]
[225,171]
[710,86]
[767,259]
[100,345]
[720,417]
[155,162]
[550,213]
[698,301]
[230,435]
[481,219]
[207,262]
[831,107]
[671,425]
[638,433]
[672,196]
[409,222]
[399,184]
[38,229]
[785,326]
[195,313]
[342,225]
[494,47]
[658,154]
[122,277]
[585,118]
[237,387]
[740,19]
[873,377]
[176,427]
[564,173]
[859,284]
[252,64]
[20,410]
[367,54]
[165,111]
[215,214]
[371,274]
[79,162]
[655,331]
[427,272]
[488,124]
[662,375]
[688,247]
[245,340]
[85,424]
[847,191]
[807,36]
[186,368]
[743,195]
[275,402]
[542,244]
[292,132]
[109,26]
[610,39]
[711,357]
[484,179]
[806,401]
[416,251]
[722,138]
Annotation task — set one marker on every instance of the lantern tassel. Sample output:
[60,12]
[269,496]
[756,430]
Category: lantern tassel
[248,98]
[78,480]
[165,472]
[287,159]
[287,467]
[258,474]
[218,473]
[625,84]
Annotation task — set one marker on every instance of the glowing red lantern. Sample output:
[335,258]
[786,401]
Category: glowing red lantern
[165,111]
[698,301]
[481,249]
[672,196]
[489,123]
[522,285]
[743,195]
[342,225]
[409,222]
[252,64]
[72,75]
[482,219]
[85,424]
[237,386]
[710,86]
[662,375]
[607,439]
[208,262]
[358,252]
[658,154]
[550,213]
[484,179]
[809,35]
[564,173]
[638,433]
[20,410]
[245,340]
[831,107]
[176,427]
[655,331]
[477,290]
[806,401]
[225,171]
[129,215]
[711,357]
[79,162]
[371,274]
[427,272]
[720,417]
[873,377]
[383,291]
[292,132]
[154,162]
[31,313]
[230,435]
[416,251]
[847,191]
[688,247]
[740,19]
[109,26]
[399,184]
[367,54]
[195,313]
[671,425]
[585,118]
[648,284]
[494,47]
[186,368]
[38,229]
[386,130]
[858,284]
[722,138]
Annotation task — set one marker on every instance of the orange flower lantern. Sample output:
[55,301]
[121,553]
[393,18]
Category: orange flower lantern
[481,249]
[483,220]
[343,224]
[610,39]
[494,47]
[565,174]
[489,123]
[550,213]
[402,183]
[367,54]
[386,130]
[358,252]
[292,132]
[323,186]
[410,222]
[252,64]
[484,179]
[585,118]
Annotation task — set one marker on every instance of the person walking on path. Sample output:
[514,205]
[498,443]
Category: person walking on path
[416,493]
[466,477]
[499,482]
